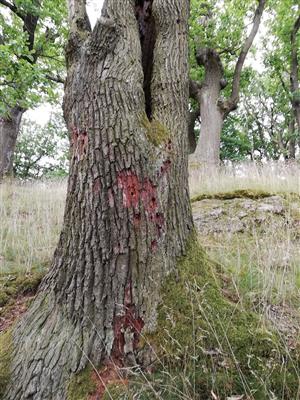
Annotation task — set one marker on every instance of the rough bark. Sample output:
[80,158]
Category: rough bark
[127,214]
[9,130]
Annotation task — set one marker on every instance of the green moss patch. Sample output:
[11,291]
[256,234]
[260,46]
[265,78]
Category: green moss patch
[5,360]
[207,343]
[81,385]
[235,194]
[244,193]
[13,285]
[156,132]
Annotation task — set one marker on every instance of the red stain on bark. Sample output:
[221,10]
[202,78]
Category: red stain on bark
[79,140]
[136,191]
[114,371]
[154,245]
[130,184]
[128,322]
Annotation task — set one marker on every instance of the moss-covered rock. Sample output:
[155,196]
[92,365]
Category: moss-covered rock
[235,194]
[5,360]
[81,385]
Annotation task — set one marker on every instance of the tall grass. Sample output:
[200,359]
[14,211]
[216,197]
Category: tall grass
[30,222]
[271,177]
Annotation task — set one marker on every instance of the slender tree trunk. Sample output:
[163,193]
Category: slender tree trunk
[212,117]
[127,213]
[9,130]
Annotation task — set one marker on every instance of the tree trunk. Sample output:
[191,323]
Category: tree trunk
[127,214]
[212,117]
[9,130]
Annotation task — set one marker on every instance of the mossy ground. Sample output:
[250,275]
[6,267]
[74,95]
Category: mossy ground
[12,285]
[207,344]
[81,385]
[5,359]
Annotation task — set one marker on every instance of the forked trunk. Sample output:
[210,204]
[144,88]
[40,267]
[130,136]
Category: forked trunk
[9,130]
[127,213]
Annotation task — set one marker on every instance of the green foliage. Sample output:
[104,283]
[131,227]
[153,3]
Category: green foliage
[24,69]
[220,26]
[42,151]
[235,143]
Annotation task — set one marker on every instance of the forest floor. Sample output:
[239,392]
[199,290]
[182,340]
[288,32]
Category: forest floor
[248,222]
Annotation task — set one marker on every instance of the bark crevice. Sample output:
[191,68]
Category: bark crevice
[146,22]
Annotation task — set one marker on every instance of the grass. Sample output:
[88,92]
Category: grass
[272,177]
[214,339]
[31,216]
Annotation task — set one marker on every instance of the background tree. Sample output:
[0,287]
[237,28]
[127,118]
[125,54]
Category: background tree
[127,213]
[31,64]
[282,60]
[220,43]
[42,151]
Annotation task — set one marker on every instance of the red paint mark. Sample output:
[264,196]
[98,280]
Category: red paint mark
[96,186]
[128,321]
[149,196]
[79,140]
[129,183]
[144,191]
[154,245]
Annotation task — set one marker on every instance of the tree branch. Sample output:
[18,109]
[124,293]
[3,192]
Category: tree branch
[13,8]
[78,19]
[57,78]
[234,97]
[195,90]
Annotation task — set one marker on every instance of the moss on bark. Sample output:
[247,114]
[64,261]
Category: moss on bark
[156,132]
[6,344]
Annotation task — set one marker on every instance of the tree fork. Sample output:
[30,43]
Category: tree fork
[127,214]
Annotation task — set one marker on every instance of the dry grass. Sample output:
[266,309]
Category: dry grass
[273,177]
[263,263]
[30,215]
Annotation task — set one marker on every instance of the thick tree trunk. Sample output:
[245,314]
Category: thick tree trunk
[212,116]
[127,213]
[9,130]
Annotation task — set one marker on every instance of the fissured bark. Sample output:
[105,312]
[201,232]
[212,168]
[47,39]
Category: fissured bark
[127,214]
